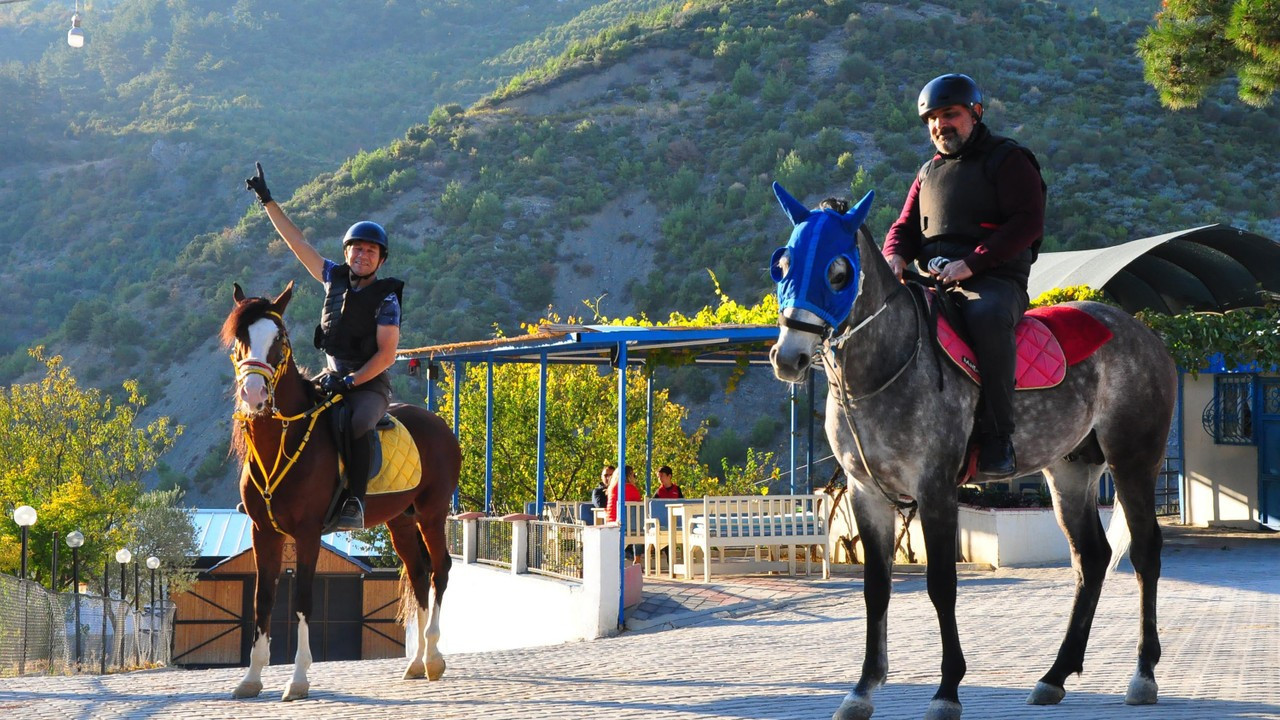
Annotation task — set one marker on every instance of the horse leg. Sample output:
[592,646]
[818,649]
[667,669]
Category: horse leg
[938,521]
[432,529]
[408,545]
[1074,488]
[1135,494]
[308,546]
[875,527]
[267,548]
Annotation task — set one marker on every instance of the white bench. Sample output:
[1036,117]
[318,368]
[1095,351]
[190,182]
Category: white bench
[764,525]
[635,521]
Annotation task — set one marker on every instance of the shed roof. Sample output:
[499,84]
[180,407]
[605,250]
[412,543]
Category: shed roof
[1213,267]
[224,533]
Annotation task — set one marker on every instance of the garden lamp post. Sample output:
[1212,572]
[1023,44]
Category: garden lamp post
[123,556]
[75,539]
[25,516]
[153,562]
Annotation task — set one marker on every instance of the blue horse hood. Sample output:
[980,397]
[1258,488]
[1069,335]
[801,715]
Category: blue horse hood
[819,238]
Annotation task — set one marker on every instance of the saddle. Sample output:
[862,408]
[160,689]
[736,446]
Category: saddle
[394,462]
[1049,340]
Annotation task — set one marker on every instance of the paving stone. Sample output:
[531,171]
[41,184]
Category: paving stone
[777,648]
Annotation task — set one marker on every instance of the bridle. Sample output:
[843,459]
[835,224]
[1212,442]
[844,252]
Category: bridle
[832,343]
[247,367]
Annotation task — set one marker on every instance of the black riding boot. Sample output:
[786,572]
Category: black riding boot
[357,482]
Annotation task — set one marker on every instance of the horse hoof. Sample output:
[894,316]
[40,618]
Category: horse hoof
[247,689]
[1046,694]
[943,710]
[435,668]
[1142,691]
[415,670]
[296,691]
[854,707]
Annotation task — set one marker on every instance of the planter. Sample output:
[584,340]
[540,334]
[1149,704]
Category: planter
[992,537]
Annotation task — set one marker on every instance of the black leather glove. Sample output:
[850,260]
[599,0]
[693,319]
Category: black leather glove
[259,186]
[332,383]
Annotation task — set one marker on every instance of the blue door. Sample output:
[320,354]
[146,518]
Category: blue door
[1269,451]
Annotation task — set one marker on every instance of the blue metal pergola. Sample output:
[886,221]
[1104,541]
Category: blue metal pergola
[616,346]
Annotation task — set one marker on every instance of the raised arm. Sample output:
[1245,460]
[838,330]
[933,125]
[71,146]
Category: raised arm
[312,260]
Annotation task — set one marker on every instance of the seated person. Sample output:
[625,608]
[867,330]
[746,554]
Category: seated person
[632,493]
[668,489]
[600,493]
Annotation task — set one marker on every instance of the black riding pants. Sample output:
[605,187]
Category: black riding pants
[991,307]
[367,403]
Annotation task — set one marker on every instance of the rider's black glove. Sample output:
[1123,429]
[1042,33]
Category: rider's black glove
[259,186]
[332,383]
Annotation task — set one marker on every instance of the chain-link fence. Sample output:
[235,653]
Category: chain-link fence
[43,632]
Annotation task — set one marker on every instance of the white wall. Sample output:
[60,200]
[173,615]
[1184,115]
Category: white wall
[491,608]
[1221,480]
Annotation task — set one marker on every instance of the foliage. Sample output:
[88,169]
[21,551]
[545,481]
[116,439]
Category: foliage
[991,497]
[1243,337]
[1074,293]
[77,456]
[581,433]
[1196,43]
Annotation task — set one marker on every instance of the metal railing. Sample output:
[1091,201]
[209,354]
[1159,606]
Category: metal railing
[493,542]
[42,632]
[555,549]
[453,536]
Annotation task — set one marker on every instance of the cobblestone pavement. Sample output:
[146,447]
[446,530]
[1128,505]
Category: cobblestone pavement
[773,648]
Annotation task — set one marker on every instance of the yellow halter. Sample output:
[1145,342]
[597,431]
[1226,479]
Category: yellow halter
[246,367]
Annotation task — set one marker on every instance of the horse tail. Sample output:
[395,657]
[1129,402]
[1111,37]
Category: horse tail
[1118,535]
[408,599]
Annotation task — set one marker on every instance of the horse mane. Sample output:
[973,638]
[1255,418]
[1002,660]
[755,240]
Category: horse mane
[242,316]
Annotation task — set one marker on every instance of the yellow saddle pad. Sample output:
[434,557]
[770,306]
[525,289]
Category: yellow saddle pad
[401,463]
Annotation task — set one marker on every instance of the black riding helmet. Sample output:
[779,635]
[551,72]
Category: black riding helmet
[950,89]
[368,231]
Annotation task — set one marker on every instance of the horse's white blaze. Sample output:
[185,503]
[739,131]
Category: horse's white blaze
[259,656]
[253,388]
[302,660]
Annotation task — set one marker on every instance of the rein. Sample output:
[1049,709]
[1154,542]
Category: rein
[272,374]
[829,360]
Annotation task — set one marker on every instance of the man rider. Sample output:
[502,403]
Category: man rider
[359,331]
[981,207]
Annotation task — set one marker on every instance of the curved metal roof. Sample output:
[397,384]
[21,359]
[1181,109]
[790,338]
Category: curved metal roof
[1214,267]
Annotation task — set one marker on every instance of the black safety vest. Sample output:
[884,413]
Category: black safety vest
[348,328]
[959,206]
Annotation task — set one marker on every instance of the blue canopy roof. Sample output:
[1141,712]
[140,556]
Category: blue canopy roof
[596,344]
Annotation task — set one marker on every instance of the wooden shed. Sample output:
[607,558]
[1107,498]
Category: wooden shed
[353,613]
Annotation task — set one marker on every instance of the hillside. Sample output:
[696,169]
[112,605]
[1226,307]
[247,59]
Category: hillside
[623,169]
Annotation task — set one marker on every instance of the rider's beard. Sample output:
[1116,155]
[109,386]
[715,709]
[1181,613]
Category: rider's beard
[948,141]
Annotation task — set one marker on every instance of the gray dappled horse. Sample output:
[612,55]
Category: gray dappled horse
[899,424]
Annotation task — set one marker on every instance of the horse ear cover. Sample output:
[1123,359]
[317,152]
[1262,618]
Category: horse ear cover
[815,247]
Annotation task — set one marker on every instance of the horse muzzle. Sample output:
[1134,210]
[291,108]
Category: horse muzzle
[253,395]
[789,364]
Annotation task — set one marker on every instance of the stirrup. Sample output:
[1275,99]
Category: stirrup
[352,515]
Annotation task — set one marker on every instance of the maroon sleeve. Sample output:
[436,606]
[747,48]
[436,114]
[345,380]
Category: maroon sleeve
[904,235]
[1021,201]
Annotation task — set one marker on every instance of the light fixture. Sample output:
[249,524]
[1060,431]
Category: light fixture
[75,36]
[153,562]
[123,556]
[75,539]
[25,516]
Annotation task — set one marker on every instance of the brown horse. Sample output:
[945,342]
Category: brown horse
[291,474]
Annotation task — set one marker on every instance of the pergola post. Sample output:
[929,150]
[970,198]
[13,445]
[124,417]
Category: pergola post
[542,434]
[621,486]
